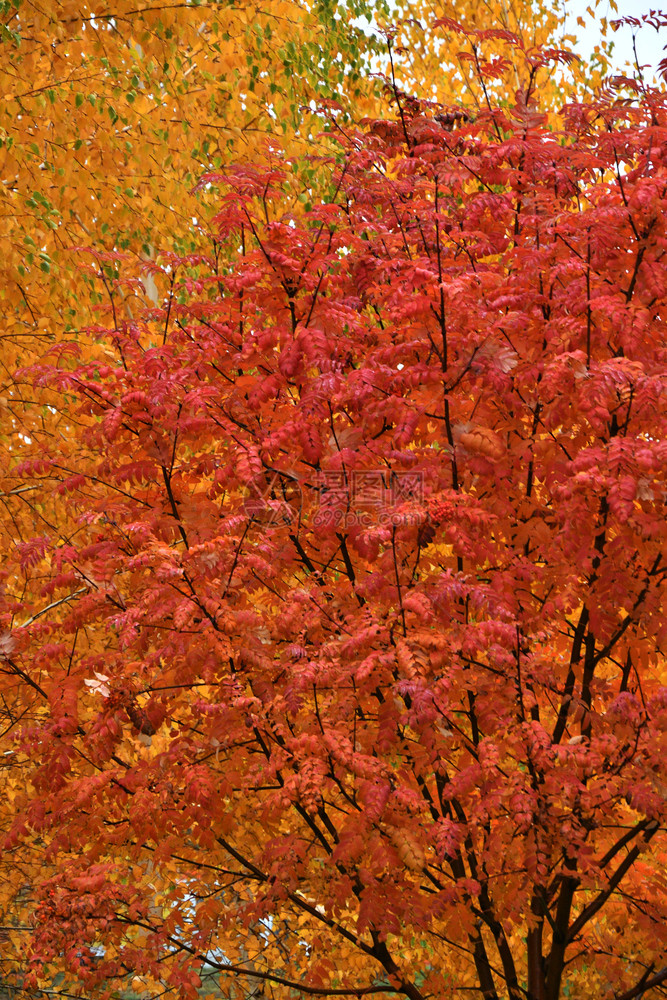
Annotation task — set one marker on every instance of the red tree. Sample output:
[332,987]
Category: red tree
[369,529]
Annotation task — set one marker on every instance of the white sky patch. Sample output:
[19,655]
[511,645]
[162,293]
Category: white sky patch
[365,25]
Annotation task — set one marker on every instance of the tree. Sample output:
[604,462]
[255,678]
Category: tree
[353,676]
[487,53]
[109,114]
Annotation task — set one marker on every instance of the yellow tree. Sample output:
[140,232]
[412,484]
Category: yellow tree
[110,114]
[483,50]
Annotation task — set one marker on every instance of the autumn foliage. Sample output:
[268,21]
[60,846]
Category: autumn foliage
[334,655]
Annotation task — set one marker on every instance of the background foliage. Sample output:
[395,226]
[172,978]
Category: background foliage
[243,251]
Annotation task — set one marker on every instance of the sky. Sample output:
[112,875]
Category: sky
[649,42]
